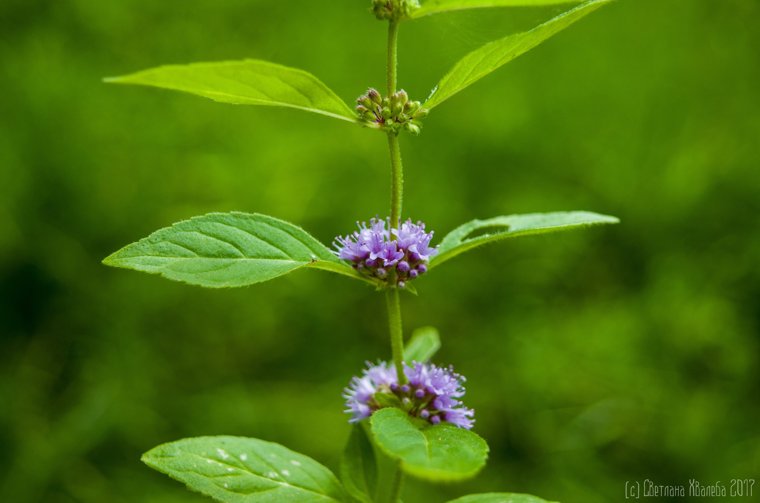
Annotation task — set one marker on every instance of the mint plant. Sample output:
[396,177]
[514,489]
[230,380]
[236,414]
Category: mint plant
[408,413]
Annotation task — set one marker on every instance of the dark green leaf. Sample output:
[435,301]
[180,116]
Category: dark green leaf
[493,55]
[430,7]
[425,343]
[479,232]
[499,498]
[358,466]
[439,453]
[248,82]
[221,250]
[245,470]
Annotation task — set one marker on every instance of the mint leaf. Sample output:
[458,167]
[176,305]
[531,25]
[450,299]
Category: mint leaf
[247,82]
[221,250]
[425,343]
[430,7]
[443,453]
[358,466]
[465,237]
[499,498]
[493,55]
[245,470]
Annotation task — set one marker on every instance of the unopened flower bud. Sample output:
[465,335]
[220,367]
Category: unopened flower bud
[402,97]
[366,102]
[374,95]
[412,128]
[391,113]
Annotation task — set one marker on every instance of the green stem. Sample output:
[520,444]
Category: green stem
[397,179]
[397,194]
[392,55]
[396,331]
[398,479]
[397,168]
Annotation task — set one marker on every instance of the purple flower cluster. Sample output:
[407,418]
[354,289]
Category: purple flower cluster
[431,393]
[380,251]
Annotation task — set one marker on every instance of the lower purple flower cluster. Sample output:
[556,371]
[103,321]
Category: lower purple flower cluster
[382,252]
[432,393]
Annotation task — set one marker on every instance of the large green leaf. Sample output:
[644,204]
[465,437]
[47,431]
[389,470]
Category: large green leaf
[493,55]
[221,250]
[479,232]
[424,343]
[439,453]
[248,82]
[245,470]
[358,466]
[499,498]
[430,7]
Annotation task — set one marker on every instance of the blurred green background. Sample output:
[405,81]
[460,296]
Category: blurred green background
[592,358]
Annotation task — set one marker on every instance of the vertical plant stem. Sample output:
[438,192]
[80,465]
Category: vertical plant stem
[397,168]
[397,194]
[397,179]
[392,55]
[398,480]
[396,331]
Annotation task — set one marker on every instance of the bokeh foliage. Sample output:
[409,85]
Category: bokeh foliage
[593,357]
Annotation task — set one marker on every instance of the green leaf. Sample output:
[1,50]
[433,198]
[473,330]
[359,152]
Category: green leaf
[499,498]
[248,82]
[245,470]
[358,466]
[425,343]
[479,232]
[493,55]
[441,453]
[430,7]
[220,250]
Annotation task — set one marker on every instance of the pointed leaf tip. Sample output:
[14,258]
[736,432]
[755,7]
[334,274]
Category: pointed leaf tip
[430,7]
[246,82]
[488,58]
[225,250]
[476,233]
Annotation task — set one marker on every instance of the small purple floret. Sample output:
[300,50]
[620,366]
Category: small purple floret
[432,393]
[378,249]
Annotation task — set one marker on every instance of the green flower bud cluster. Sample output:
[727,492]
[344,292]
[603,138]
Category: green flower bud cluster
[394,9]
[393,113]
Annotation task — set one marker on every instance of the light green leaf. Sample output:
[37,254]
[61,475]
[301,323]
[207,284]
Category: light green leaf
[425,343]
[430,7]
[245,470]
[221,250]
[493,55]
[479,232]
[441,453]
[358,466]
[499,498]
[247,82]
